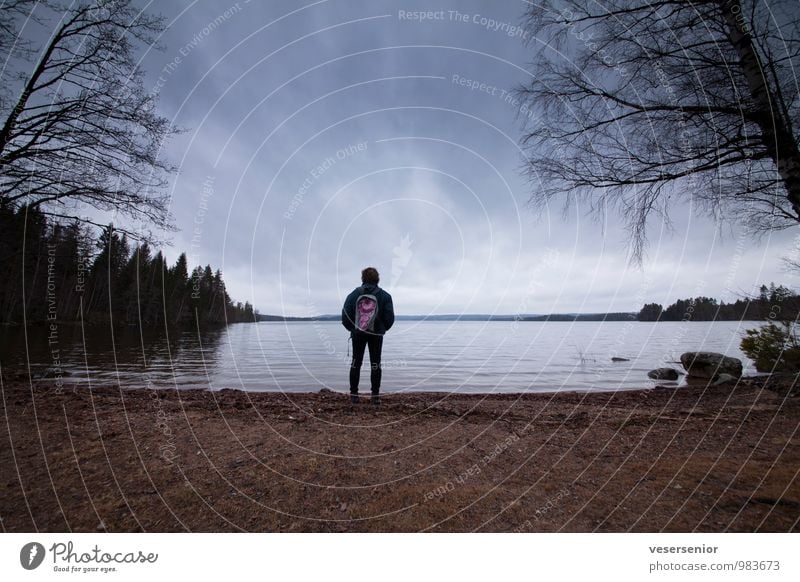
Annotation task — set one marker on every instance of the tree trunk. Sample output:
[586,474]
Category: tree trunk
[777,137]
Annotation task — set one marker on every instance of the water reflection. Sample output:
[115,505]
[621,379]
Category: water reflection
[442,356]
[133,357]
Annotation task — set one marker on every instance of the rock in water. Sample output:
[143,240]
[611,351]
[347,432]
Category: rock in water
[710,364]
[663,374]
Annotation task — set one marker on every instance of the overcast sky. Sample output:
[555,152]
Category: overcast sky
[327,136]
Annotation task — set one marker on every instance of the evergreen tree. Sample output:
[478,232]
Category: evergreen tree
[177,291]
[650,312]
[107,273]
[54,270]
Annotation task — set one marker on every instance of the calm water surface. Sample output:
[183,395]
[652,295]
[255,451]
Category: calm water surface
[418,355]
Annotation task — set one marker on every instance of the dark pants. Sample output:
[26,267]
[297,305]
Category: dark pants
[360,342]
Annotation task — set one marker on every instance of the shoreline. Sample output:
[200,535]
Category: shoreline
[75,386]
[697,458]
[685,382]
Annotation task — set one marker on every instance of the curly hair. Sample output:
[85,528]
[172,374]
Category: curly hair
[370,275]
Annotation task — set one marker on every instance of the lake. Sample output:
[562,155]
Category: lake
[418,355]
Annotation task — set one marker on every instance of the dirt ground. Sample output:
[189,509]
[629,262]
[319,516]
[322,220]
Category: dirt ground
[689,459]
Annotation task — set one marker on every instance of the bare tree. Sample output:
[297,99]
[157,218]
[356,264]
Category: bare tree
[14,15]
[80,128]
[645,102]
[11,11]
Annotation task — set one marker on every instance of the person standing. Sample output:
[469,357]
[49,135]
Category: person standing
[368,313]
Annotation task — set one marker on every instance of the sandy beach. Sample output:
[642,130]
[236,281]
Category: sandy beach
[717,458]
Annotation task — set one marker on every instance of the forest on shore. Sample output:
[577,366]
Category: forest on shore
[772,303]
[66,273]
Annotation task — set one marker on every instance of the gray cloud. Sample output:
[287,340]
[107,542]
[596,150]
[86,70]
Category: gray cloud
[278,96]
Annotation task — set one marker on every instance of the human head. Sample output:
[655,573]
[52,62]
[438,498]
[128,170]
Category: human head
[370,275]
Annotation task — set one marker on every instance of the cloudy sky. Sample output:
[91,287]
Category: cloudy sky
[331,135]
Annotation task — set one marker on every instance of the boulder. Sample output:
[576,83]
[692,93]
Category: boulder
[663,374]
[725,379]
[710,365]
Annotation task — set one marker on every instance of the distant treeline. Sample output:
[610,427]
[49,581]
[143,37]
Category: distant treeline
[614,316]
[54,272]
[772,303]
[622,316]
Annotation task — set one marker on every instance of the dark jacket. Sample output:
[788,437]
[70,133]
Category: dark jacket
[385,318]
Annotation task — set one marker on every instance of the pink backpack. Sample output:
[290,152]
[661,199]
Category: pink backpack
[366,312]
